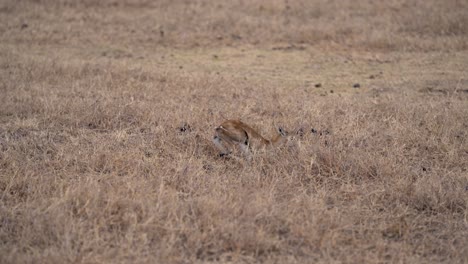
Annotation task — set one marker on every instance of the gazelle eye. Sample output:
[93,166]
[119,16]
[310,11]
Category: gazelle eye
[281,131]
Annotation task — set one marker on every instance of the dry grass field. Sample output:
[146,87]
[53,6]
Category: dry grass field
[108,109]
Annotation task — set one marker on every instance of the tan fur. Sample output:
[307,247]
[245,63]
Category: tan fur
[234,132]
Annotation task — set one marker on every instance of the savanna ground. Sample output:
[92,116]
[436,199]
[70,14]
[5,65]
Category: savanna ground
[107,110]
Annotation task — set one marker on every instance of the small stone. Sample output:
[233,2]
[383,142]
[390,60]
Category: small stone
[318,85]
[236,37]
[356,85]
[184,128]
[300,132]
[207,167]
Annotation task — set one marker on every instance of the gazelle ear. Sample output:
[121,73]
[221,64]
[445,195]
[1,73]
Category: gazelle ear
[282,132]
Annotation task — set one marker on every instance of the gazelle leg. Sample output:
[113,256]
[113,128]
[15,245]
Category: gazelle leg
[246,150]
[221,147]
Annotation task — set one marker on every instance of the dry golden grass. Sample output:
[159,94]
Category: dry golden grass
[107,111]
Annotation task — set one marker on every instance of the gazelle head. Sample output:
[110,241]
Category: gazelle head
[282,132]
[280,138]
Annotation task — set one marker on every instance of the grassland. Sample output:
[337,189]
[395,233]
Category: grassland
[107,110]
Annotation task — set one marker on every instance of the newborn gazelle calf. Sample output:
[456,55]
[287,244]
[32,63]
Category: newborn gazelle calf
[234,132]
